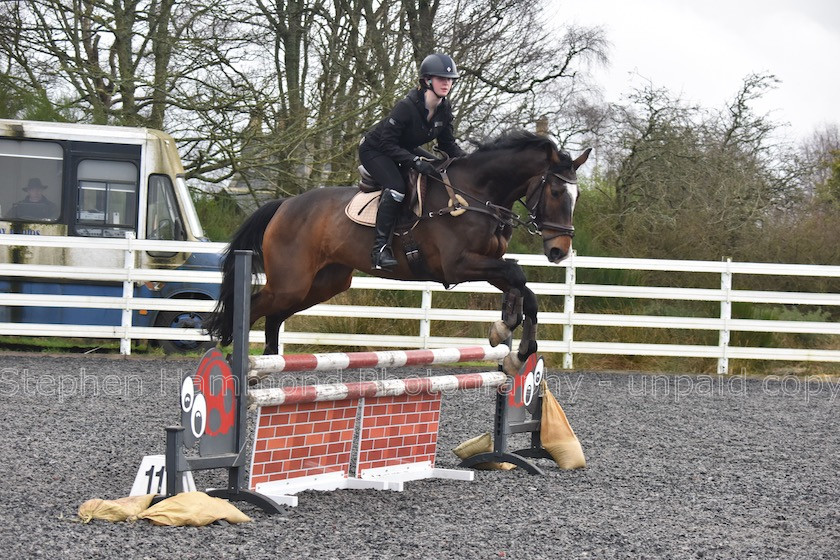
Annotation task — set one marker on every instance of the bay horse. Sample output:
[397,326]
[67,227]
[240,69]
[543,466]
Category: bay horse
[308,248]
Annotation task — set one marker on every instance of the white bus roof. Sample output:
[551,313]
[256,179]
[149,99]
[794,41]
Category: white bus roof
[81,132]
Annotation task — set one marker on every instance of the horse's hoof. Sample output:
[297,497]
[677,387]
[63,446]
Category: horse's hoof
[511,364]
[499,333]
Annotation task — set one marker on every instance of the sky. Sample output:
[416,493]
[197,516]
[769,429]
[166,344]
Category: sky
[702,50]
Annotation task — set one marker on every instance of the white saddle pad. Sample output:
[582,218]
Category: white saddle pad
[362,208]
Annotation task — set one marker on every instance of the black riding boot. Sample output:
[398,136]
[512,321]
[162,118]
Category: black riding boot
[386,218]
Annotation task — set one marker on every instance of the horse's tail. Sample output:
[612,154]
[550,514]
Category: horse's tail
[249,236]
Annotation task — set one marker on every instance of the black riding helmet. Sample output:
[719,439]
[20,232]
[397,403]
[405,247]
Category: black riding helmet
[440,65]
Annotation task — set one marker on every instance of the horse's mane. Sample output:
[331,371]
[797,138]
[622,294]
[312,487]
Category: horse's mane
[517,140]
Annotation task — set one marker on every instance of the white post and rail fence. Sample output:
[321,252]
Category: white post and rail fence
[570,289]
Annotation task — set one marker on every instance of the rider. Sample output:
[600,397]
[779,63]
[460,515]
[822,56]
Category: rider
[388,149]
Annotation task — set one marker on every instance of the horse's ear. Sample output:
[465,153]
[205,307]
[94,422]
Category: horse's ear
[553,155]
[581,159]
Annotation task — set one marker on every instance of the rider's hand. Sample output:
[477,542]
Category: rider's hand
[425,167]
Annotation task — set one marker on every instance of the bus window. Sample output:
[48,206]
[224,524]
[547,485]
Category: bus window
[107,205]
[163,219]
[30,180]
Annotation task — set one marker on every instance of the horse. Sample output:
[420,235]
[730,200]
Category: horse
[309,249]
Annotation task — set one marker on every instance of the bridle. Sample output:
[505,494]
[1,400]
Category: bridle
[533,202]
[534,196]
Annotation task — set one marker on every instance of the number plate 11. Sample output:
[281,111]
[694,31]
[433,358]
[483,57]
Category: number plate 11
[151,477]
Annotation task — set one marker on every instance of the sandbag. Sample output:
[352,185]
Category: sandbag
[481,444]
[194,509]
[114,510]
[557,436]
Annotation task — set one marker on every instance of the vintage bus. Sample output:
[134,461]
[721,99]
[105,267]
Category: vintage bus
[89,181]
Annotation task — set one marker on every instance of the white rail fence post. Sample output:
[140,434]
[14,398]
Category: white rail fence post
[281,348]
[128,293]
[569,310]
[725,317]
[425,323]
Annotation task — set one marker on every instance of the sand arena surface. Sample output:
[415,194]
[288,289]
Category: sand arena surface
[679,466]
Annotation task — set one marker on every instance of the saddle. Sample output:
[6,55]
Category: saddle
[363,206]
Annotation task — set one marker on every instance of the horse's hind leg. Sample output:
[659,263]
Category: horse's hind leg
[261,305]
[329,281]
[272,333]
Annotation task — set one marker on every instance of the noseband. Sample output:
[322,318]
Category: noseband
[533,202]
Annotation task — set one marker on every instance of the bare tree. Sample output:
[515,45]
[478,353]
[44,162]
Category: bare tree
[421,16]
[515,68]
[118,62]
[349,62]
[686,181]
[276,93]
[819,153]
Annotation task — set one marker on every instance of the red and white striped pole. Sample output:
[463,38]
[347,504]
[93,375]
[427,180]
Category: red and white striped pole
[383,388]
[261,366]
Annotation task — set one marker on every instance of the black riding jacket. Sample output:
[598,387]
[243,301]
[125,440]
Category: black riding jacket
[407,127]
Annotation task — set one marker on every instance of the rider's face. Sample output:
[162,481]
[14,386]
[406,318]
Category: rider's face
[441,86]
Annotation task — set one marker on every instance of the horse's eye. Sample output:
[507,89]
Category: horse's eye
[555,193]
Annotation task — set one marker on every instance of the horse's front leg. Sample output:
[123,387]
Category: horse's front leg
[501,330]
[509,277]
[528,340]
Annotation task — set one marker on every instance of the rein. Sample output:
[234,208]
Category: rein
[504,216]
[458,204]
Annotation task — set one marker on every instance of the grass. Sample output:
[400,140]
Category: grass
[57,345]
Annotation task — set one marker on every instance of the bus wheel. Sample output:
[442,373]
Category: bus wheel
[181,320]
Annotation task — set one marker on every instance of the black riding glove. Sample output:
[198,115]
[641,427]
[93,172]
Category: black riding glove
[425,168]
